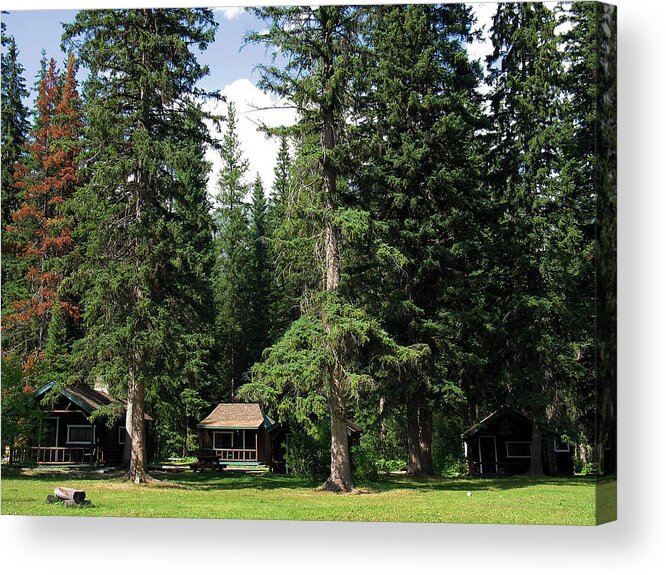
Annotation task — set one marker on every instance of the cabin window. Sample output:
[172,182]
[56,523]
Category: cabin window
[518,449]
[80,434]
[561,446]
[223,439]
[121,435]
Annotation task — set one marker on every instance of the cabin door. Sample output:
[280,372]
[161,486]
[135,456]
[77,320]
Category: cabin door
[487,454]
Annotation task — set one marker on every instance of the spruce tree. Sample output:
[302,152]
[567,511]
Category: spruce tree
[41,232]
[234,253]
[421,183]
[15,127]
[260,273]
[14,122]
[144,283]
[543,268]
[318,44]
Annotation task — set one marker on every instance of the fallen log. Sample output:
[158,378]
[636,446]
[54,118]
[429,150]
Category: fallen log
[68,494]
[69,503]
[50,498]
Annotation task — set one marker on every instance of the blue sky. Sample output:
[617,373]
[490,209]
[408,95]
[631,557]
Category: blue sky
[35,30]
[232,69]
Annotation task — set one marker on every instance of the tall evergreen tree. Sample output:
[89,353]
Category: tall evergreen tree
[145,280]
[260,273]
[41,233]
[323,358]
[318,44]
[234,254]
[588,160]
[543,207]
[15,127]
[14,122]
[421,183]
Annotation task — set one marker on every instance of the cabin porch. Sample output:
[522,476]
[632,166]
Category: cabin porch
[53,455]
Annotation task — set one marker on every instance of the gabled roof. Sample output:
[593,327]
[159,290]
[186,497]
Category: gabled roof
[87,398]
[486,421]
[237,416]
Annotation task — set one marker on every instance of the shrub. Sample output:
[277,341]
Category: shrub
[364,465]
[391,465]
[306,457]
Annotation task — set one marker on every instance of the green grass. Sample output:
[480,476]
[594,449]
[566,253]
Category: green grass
[569,501]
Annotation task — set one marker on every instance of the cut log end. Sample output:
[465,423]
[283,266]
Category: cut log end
[69,494]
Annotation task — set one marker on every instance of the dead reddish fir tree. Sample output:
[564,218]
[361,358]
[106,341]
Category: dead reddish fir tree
[40,233]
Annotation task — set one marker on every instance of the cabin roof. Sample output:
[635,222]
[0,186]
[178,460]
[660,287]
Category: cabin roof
[87,398]
[236,416]
[486,421]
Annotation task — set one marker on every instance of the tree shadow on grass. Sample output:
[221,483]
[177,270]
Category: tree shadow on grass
[426,484]
[226,480]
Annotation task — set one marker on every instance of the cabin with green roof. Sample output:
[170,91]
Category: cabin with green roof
[69,437]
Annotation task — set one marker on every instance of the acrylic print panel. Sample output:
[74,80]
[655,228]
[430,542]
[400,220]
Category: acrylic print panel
[351,263]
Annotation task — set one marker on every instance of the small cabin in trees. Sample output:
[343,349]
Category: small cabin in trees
[501,444]
[69,437]
[242,435]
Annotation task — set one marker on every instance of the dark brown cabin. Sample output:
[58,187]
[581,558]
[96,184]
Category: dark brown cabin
[240,434]
[501,444]
[69,437]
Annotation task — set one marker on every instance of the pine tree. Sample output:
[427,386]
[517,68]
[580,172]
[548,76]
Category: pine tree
[319,44]
[14,122]
[260,274]
[144,282]
[587,163]
[41,231]
[543,256]
[421,183]
[234,253]
[15,127]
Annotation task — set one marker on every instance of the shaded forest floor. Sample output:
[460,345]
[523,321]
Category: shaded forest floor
[569,501]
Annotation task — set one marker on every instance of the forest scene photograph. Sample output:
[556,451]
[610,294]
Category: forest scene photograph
[317,262]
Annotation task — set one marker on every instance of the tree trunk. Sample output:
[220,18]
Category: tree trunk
[413,437]
[536,461]
[551,457]
[127,448]
[382,420]
[67,493]
[137,472]
[425,440]
[340,479]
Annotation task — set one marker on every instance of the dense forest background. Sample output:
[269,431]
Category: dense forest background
[429,252]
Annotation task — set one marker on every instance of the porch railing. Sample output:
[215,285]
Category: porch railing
[56,455]
[228,454]
[499,467]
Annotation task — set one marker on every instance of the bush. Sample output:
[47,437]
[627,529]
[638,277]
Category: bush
[364,465]
[306,457]
[453,466]
[391,465]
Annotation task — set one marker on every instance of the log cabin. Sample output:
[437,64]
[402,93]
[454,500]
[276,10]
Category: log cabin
[69,437]
[501,444]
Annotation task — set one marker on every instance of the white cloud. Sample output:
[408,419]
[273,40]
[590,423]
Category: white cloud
[230,12]
[483,13]
[253,108]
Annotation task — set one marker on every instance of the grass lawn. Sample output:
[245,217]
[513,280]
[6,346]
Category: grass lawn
[568,501]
